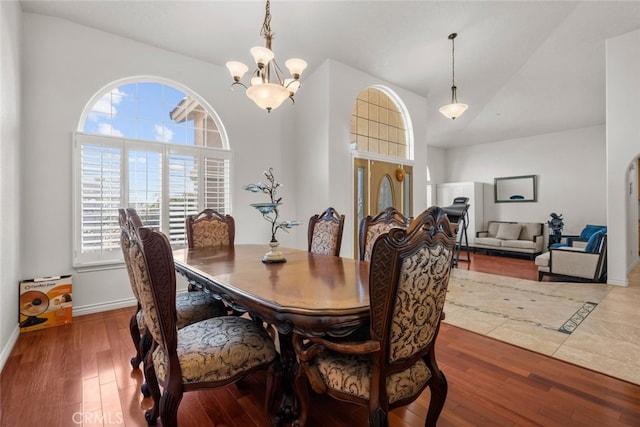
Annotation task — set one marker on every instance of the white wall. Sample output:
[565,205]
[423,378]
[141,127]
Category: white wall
[307,144]
[64,66]
[10,191]
[623,147]
[325,167]
[570,168]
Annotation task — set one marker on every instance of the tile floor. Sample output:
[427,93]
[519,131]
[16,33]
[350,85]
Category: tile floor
[529,313]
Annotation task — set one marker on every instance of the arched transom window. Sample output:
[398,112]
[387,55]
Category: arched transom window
[379,126]
[148,145]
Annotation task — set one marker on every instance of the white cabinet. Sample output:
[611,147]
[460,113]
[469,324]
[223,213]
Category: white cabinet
[445,193]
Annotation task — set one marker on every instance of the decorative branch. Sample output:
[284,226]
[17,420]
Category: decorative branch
[270,211]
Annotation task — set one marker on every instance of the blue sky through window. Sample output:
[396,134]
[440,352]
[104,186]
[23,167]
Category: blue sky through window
[140,111]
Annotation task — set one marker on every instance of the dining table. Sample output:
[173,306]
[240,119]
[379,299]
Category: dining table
[309,294]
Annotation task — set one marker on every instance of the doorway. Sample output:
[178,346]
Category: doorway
[379,185]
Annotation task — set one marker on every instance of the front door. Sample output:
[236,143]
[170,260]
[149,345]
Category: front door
[379,185]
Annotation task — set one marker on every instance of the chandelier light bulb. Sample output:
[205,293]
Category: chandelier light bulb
[292,85]
[296,66]
[237,69]
[261,55]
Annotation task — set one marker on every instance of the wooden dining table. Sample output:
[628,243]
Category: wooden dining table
[310,294]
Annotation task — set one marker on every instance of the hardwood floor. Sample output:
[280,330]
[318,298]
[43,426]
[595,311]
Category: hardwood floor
[80,374]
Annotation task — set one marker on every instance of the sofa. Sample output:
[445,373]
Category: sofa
[513,238]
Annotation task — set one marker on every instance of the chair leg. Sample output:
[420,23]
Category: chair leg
[439,389]
[135,337]
[169,404]
[151,415]
[378,418]
[145,346]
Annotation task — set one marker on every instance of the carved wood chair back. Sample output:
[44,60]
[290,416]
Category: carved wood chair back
[373,226]
[325,232]
[210,228]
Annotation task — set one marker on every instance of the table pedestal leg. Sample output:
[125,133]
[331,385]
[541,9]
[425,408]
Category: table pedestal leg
[287,410]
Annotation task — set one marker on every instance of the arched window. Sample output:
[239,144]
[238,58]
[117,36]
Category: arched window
[151,145]
[380,126]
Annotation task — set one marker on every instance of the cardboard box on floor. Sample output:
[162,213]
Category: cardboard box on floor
[45,302]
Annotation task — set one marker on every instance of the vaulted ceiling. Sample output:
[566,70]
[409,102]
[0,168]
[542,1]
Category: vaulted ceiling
[524,68]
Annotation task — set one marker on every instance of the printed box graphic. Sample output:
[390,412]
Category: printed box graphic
[45,302]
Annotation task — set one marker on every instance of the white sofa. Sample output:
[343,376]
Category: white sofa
[504,237]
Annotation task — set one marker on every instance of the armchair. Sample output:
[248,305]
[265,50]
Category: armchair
[583,262]
[409,275]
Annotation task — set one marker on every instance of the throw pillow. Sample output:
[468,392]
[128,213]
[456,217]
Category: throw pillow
[509,231]
[589,229]
[593,244]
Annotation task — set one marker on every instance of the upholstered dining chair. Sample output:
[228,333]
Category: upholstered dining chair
[210,228]
[190,307]
[373,226]
[325,232]
[409,275]
[208,354]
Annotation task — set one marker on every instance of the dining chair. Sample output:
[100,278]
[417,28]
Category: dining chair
[373,226]
[208,354]
[190,307]
[409,275]
[325,232]
[210,228]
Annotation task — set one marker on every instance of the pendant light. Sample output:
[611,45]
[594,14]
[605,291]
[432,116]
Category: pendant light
[454,109]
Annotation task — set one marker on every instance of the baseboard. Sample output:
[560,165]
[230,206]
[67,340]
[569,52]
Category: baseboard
[11,342]
[112,305]
[97,308]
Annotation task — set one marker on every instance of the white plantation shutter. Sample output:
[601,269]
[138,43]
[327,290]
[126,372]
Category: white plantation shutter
[145,184]
[99,199]
[217,190]
[163,182]
[183,194]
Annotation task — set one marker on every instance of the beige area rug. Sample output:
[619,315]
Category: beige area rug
[538,316]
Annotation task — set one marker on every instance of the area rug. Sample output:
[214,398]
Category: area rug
[559,319]
[554,306]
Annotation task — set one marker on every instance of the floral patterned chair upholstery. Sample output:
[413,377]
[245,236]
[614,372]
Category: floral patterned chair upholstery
[373,226]
[409,275]
[190,307]
[208,354]
[325,232]
[210,228]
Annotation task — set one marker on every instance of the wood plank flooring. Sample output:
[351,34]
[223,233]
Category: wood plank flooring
[80,374]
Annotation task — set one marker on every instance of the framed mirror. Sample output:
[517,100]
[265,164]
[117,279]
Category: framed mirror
[515,189]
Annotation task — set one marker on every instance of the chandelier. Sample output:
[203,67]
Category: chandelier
[263,91]
[454,109]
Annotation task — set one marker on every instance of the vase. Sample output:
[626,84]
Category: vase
[274,255]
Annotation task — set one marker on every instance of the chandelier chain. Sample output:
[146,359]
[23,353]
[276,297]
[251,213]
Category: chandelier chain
[266,25]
